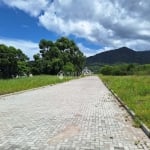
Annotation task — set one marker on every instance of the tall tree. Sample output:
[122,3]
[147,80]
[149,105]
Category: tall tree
[71,53]
[12,61]
[60,55]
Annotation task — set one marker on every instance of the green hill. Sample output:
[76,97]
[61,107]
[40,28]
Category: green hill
[121,55]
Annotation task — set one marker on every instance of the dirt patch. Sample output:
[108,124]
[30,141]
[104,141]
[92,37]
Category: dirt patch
[78,115]
[68,132]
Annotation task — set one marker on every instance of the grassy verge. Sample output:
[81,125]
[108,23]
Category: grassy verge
[134,91]
[14,85]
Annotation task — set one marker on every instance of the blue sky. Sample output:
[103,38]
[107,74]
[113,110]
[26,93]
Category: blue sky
[19,25]
[125,23]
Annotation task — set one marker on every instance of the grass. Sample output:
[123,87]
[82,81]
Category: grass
[14,85]
[135,93]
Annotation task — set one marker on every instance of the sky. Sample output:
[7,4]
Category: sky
[95,25]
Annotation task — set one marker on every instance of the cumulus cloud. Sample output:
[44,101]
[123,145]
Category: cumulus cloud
[111,23]
[28,47]
[34,8]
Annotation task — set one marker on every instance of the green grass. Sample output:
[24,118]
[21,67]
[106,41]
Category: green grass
[14,85]
[135,93]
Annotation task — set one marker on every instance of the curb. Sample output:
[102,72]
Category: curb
[145,129]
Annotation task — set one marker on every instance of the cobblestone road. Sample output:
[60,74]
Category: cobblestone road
[77,115]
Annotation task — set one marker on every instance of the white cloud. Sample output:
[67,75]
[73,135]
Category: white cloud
[90,52]
[138,44]
[34,8]
[112,23]
[28,47]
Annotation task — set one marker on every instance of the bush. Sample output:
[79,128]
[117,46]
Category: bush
[106,70]
[126,69]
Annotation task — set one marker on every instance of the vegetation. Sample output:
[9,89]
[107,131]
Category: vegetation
[126,69]
[121,69]
[134,91]
[14,85]
[12,62]
[121,55]
[62,55]
[55,56]
[96,68]
[122,61]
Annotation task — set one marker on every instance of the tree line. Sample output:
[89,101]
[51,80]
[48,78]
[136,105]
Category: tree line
[120,69]
[12,62]
[61,55]
[125,69]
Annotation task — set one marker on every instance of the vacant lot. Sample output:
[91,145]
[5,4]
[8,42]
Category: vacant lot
[14,85]
[134,91]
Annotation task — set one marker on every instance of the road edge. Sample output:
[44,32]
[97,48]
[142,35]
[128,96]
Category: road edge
[145,129]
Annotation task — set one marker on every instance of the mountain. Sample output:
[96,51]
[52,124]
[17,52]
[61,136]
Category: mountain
[120,55]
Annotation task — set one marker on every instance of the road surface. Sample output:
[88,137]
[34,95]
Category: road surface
[80,114]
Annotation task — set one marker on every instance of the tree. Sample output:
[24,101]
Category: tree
[44,46]
[60,55]
[36,65]
[71,53]
[68,68]
[106,70]
[56,65]
[11,60]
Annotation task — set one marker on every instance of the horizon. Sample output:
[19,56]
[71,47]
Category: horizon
[93,29]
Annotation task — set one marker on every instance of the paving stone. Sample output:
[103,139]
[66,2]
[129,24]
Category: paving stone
[77,115]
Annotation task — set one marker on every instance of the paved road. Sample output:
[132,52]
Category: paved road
[77,115]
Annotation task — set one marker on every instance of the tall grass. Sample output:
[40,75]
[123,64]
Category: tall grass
[14,85]
[134,91]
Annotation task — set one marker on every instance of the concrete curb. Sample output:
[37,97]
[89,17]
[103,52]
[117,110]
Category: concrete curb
[145,129]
